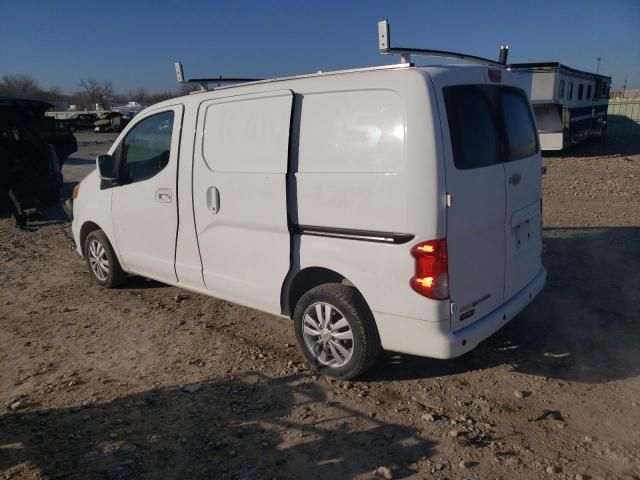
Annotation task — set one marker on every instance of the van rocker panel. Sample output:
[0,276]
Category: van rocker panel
[436,340]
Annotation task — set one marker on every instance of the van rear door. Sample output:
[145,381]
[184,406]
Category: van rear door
[524,190]
[493,176]
[475,178]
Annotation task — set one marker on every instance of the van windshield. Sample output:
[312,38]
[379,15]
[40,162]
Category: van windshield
[488,125]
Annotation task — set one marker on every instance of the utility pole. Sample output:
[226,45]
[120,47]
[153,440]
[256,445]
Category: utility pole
[598,66]
[624,87]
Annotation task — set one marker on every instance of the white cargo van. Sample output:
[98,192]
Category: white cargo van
[393,208]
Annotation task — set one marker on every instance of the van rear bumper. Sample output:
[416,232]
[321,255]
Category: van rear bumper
[436,340]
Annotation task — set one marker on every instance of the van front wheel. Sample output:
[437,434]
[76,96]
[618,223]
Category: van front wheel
[336,331]
[104,267]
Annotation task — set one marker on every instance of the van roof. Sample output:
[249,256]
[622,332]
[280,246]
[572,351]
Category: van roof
[319,73]
[396,66]
[393,67]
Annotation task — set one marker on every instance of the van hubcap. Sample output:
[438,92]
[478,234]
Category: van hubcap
[98,260]
[327,335]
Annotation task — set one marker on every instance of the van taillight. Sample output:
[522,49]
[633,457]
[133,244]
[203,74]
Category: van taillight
[431,277]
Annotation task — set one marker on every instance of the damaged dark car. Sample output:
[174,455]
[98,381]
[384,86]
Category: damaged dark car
[33,148]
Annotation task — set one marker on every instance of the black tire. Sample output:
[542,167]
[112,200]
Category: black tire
[365,343]
[115,275]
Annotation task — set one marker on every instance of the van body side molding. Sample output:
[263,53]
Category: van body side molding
[351,234]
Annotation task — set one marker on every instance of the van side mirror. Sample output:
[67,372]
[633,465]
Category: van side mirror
[106,167]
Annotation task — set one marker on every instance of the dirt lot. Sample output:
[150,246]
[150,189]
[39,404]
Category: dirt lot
[148,381]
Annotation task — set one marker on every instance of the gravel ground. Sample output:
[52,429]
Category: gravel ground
[149,381]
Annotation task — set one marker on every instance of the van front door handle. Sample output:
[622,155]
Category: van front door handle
[515,179]
[163,195]
[213,199]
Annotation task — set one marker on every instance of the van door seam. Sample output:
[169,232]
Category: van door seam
[196,130]
[290,197]
[177,196]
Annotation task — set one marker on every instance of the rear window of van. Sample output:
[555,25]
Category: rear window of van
[520,129]
[489,125]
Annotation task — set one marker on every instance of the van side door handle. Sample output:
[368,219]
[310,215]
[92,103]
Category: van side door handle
[213,199]
[163,195]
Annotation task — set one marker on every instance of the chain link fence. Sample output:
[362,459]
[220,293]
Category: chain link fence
[623,117]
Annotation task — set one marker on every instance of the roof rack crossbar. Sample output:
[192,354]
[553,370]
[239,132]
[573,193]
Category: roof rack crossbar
[384,45]
[224,80]
[204,82]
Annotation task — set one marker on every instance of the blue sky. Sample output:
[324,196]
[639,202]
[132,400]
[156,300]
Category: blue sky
[134,43]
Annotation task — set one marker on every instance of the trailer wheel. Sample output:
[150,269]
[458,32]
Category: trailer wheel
[603,136]
[336,331]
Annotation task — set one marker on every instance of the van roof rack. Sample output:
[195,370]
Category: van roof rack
[235,82]
[384,45]
[204,82]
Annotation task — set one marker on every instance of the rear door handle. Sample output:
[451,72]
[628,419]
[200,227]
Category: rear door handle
[213,199]
[163,195]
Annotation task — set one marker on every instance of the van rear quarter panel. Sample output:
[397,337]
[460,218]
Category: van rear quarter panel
[380,168]
[403,193]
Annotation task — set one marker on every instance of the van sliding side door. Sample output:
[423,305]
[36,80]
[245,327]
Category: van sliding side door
[239,196]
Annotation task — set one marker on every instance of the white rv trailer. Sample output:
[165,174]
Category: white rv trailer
[570,105]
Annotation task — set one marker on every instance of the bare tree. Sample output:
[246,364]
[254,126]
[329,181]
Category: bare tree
[19,86]
[187,88]
[139,95]
[107,91]
[159,97]
[96,91]
[55,90]
[119,98]
[91,88]
[52,95]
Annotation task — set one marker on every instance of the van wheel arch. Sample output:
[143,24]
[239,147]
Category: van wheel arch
[85,230]
[305,280]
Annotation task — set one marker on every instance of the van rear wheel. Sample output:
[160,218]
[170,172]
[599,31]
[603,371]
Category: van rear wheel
[336,331]
[104,267]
